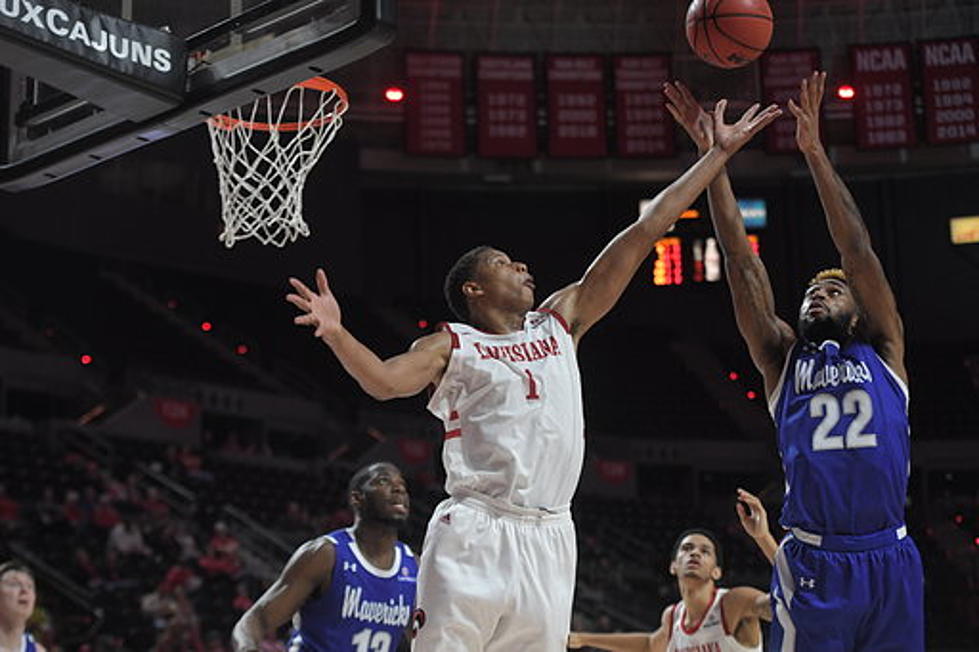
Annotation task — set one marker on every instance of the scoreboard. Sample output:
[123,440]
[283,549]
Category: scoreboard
[694,256]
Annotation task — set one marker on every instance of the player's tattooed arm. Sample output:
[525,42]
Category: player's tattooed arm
[309,569]
[743,603]
[768,337]
[865,274]
[399,376]
[585,302]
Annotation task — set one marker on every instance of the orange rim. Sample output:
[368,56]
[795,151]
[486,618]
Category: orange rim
[322,84]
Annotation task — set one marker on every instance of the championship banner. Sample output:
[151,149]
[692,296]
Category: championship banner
[132,70]
[643,126]
[781,73]
[506,110]
[434,121]
[882,111]
[576,105]
[951,82]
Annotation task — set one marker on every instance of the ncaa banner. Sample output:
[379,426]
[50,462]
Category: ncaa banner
[54,40]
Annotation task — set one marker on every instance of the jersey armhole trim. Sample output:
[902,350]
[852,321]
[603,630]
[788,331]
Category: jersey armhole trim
[558,316]
[669,631]
[777,394]
[720,604]
[897,379]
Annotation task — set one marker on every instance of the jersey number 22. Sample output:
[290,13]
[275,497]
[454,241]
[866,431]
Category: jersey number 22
[827,407]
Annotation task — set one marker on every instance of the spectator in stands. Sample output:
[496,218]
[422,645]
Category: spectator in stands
[222,552]
[46,510]
[154,505]
[105,516]
[17,600]
[84,569]
[126,538]
[72,511]
[242,602]
[9,510]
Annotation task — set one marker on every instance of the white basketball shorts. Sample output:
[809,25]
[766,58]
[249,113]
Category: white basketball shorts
[495,578]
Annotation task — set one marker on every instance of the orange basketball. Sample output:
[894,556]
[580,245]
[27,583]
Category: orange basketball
[729,33]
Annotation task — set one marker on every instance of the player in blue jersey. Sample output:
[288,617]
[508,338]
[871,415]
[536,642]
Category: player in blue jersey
[17,599]
[847,576]
[351,590]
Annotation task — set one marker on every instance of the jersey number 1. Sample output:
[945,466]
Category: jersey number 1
[531,386]
[367,640]
[827,407]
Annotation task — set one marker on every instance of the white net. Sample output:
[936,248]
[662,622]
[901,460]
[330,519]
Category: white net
[263,155]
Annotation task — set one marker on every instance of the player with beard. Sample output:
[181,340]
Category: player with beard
[847,576]
[349,590]
[17,599]
[498,563]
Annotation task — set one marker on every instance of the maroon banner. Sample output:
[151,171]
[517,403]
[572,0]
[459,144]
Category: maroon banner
[576,105]
[506,106]
[644,128]
[781,73]
[175,412]
[434,120]
[882,78]
[951,80]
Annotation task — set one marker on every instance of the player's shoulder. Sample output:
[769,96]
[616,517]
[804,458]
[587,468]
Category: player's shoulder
[439,341]
[321,547]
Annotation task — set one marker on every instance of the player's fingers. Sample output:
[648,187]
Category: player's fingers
[298,301]
[321,282]
[719,111]
[304,320]
[748,115]
[765,119]
[687,94]
[673,112]
[820,86]
[794,109]
[301,288]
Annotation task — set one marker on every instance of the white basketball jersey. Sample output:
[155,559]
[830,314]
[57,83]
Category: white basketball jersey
[708,635]
[511,405]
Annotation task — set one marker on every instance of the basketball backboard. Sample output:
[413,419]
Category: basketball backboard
[76,88]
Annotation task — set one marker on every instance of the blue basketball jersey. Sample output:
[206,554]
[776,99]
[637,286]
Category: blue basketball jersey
[366,609]
[29,644]
[842,420]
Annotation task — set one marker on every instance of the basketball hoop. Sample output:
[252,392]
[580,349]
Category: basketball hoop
[263,155]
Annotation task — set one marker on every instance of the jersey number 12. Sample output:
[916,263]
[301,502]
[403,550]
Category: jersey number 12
[367,640]
[827,407]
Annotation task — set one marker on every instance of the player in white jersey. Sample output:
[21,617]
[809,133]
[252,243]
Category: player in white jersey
[498,562]
[707,618]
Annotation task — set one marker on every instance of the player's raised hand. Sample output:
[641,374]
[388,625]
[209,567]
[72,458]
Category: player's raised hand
[685,109]
[751,511]
[806,112]
[320,309]
[731,138]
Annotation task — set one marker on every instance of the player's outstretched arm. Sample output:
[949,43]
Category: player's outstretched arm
[754,520]
[310,567]
[768,337]
[631,642]
[743,603]
[585,302]
[399,376]
[865,275]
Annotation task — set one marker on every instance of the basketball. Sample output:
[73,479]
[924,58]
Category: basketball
[729,33]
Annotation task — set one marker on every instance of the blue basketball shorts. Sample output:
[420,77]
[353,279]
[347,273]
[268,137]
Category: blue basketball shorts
[848,594]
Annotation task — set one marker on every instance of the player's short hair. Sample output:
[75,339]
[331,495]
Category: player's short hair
[14,565]
[718,552]
[363,475]
[462,271]
[830,273]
